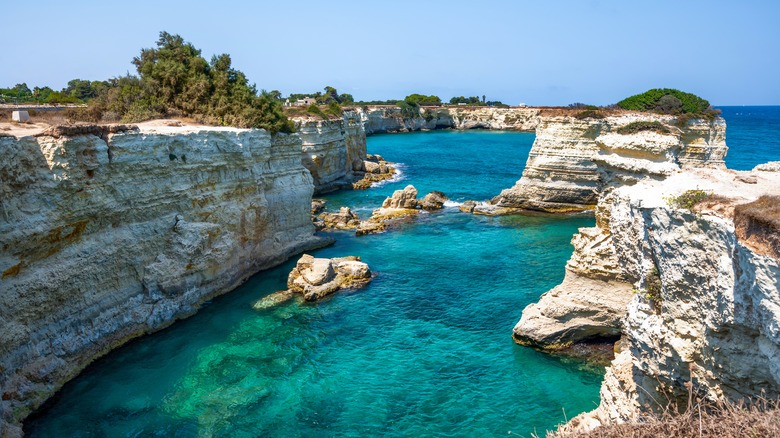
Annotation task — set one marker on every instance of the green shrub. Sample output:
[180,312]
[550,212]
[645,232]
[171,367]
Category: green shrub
[669,101]
[334,108]
[409,110]
[316,111]
[634,127]
[589,114]
[688,199]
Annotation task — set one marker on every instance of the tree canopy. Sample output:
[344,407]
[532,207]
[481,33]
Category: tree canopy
[667,101]
[174,79]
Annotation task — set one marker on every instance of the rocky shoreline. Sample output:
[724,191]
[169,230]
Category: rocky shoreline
[689,293]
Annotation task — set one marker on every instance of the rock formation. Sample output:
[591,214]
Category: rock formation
[707,309]
[316,278]
[402,205]
[345,219]
[389,119]
[333,150]
[108,235]
[374,169]
[573,160]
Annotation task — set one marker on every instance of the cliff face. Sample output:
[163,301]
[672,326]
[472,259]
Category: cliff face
[106,237]
[573,160]
[332,150]
[706,315]
[389,119]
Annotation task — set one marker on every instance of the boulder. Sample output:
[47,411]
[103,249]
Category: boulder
[433,201]
[406,198]
[317,205]
[345,219]
[373,169]
[315,278]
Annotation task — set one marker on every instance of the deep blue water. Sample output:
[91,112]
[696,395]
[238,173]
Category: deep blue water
[425,349]
[752,135]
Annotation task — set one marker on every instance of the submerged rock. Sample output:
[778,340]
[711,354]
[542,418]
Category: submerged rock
[315,278]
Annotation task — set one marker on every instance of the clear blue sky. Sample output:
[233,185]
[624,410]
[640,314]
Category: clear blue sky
[550,52]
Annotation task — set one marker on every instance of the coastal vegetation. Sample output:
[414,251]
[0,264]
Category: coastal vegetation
[705,419]
[688,199]
[643,125]
[78,91]
[670,101]
[174,80]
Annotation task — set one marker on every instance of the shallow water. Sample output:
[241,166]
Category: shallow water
[425,349]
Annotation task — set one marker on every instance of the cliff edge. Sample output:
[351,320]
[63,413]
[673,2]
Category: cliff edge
[575,158]
[107,234]
[705,314]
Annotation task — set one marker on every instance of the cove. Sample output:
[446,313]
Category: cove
[425,349]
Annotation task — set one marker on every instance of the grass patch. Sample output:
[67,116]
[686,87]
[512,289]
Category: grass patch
[764,211]
[703,419]
[634,127]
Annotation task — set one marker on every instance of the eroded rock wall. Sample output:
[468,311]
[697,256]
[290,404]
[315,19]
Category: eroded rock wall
[705,318]
[389,119]
[574,160]
[104,238]
[333,150]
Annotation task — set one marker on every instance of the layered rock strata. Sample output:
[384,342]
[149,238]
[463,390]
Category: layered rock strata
[573,160]
[378,119]
[333,150]
[704,319]
[105,236]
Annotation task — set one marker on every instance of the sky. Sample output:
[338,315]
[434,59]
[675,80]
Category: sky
[551,52]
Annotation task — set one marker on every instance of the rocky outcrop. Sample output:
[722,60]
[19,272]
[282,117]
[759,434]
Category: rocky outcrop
[345,219]
[373,170]
[316,278]
[573,160]
[433,201]
[704,319]
[106,237]
[333,150]
[402,205]
[590,303]
[382,119]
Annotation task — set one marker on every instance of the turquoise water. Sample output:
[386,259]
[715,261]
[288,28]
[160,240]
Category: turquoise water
[752,134]
[425,349]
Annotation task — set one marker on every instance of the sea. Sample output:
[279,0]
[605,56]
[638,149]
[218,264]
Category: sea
[424,350]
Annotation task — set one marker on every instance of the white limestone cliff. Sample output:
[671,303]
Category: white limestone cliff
[333,150]
[381,119]
[573,160]
[105,236]
[711,325]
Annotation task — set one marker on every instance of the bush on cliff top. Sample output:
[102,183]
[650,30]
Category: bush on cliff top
[643,125]
[669,101]
[174,80]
